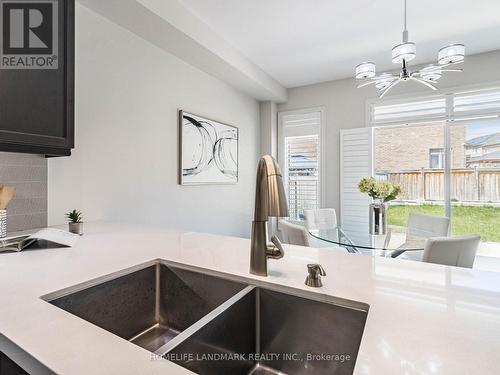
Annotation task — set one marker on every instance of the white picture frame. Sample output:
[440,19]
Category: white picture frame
[208,151]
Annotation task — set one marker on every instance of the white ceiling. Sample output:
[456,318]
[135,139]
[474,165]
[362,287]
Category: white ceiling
[300,42]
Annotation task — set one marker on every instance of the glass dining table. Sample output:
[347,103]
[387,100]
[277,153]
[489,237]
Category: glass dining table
[392,244]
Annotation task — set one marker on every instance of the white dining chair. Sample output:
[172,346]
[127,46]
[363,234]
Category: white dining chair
[422,227]
[427,226]
[323,218]
[294,234]
[457,251]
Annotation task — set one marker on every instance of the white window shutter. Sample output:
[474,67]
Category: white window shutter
[356,162]
[409,111]
[476,104]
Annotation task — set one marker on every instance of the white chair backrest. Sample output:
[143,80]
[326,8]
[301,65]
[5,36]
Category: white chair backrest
[294,234]
[324,218]
[452,251]
[427,226]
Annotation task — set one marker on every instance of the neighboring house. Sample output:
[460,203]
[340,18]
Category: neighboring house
[490,159]
[303,166]
[483,151]
[411,148]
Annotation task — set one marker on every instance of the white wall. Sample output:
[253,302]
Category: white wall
[124,166]
[345,106]
[269,128]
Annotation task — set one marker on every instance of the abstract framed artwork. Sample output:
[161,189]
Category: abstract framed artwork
[208,151]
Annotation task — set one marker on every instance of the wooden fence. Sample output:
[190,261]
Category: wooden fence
[469,185]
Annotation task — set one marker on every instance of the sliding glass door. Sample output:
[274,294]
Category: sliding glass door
[443,149]
[475,186]
[413,157]
[466,188]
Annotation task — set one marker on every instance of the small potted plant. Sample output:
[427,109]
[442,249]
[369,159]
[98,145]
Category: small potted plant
[75,222]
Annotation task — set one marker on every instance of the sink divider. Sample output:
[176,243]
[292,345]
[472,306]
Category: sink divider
[157,291]
[257,321]
[203,321]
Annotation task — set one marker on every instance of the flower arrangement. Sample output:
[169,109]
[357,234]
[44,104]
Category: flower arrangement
[385,191]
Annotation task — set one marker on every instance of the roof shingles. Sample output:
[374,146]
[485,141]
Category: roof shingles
[484,140]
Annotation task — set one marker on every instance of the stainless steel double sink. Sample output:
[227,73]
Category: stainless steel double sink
[213,325]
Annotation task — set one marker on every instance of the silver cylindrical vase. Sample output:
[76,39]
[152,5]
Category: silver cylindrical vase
[378,219]
[3,223]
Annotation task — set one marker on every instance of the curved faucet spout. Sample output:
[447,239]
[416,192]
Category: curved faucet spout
[275,250]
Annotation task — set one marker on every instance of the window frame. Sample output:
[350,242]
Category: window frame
[423,94]
[449,120]
[322,152]
[440,153]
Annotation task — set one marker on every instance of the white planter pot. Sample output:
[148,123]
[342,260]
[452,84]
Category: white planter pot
[76,228]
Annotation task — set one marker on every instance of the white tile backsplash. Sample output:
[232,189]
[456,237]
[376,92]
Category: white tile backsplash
[28,174]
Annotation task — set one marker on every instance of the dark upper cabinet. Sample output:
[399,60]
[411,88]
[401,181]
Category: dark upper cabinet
[37,105]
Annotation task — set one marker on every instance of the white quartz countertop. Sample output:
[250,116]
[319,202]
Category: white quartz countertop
[422,319]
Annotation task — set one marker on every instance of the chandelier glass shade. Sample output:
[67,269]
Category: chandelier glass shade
[402,54]
[452,54]
[404,51]
[365,70]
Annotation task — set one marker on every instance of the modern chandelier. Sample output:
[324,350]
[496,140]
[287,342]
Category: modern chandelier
[401,54]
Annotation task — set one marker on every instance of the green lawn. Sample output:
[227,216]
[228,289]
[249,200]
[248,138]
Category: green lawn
[481,220]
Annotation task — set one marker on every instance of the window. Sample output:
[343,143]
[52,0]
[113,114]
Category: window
[301,155]
[445,153]
[413,156]
[299,145]
[436,158]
